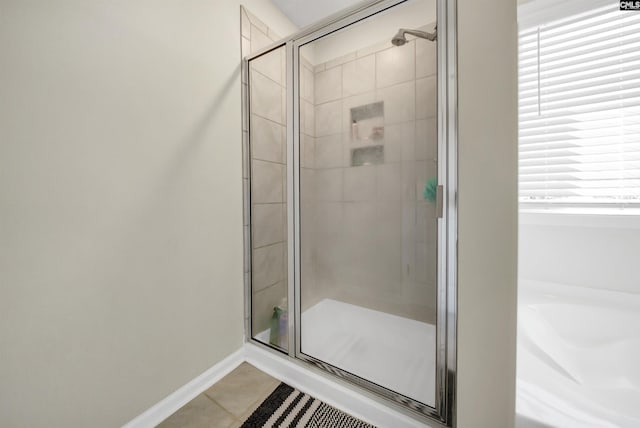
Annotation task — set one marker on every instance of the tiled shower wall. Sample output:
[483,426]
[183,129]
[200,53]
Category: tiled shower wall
[267,164]
[370,236]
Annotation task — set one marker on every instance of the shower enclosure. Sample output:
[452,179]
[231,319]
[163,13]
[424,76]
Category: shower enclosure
[350,214]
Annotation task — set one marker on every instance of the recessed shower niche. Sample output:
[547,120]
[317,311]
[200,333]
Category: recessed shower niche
[350,169]
[367,131]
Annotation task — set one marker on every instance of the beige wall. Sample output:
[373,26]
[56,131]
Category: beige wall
[488,213]
[120,203]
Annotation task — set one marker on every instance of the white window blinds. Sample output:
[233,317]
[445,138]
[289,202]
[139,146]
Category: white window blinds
[579,111]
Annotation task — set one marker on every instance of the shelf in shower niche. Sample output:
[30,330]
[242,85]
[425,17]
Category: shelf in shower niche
[370,155]
[367,122]
[367,111]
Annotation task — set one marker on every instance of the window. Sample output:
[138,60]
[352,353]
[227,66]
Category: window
[579,111]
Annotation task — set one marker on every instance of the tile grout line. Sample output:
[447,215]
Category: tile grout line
[264,397]
[261,399]
[234,417]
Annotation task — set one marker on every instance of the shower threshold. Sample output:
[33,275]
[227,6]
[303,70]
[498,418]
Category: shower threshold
[391,351]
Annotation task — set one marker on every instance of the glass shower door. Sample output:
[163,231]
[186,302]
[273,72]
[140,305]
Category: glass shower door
[369,201]
[267,159]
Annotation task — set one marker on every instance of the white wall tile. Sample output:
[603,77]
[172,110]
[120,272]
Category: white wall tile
[328,152]
[307,118]
[399,102]
[421,221]
[266,97]
[283,69]
[359,247]
[426,139]
[389,182]
[270,64]
[408,239]
[283,181]
[259,39]
[307,84]
[388,232]
[267,139]
[421,262]
[257,22]
[245,26]
[267,265]
[359,183]
[359,220]
[395,65]
[358,76]
[267,224]
[329,219]
[307,151]
[427,223]
[426,97]
[273,35]
[246,47]
[408,181]
[284,145]
[267,183]
[329,184]
[328,85]
[340,60]
[311,293]
[285,230]
[426,58]
[421,179]
[328,118]
[378,47]
[399,142]
[328,242]
[307,187]
[283,105]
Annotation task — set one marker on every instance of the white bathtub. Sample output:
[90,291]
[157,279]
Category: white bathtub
[578,357]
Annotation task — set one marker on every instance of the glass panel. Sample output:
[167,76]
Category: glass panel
[267,124]
[368,221]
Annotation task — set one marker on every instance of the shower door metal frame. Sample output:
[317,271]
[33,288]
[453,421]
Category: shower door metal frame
[446,340]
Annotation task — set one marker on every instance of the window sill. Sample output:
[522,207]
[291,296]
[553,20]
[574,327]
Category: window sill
[576,217]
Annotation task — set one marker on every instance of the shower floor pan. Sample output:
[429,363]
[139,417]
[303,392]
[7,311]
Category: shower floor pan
[391,351]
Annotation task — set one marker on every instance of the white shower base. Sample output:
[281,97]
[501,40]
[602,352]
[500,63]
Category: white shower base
[578,357]
[394,352]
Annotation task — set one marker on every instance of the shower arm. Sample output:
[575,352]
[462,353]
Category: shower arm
[421,34]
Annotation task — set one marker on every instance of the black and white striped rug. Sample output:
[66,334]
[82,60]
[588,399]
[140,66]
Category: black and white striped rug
[287,407]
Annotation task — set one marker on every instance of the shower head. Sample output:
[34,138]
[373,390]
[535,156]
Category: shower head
[400,38]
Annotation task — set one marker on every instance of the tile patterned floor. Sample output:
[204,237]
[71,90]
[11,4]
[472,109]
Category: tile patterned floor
[226,404]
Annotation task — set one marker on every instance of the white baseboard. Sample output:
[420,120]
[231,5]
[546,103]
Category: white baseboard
[165,408]
[321,387]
